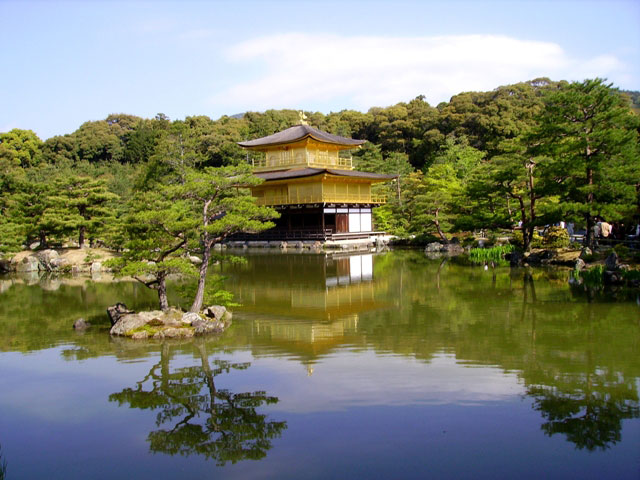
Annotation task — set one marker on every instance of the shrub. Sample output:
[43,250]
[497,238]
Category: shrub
[622,250]
[556,237]
[593,276]
[516,239]
[493,254]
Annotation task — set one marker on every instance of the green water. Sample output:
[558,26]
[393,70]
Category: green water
[365,366]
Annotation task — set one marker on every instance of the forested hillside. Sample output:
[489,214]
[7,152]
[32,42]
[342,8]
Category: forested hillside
[533,152]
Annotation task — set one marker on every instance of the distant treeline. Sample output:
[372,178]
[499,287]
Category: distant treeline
[532,152]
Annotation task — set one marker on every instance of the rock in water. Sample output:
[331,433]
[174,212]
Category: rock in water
[190,317]
[516,259]
[215,311]
[433,247]
[28,264]
[81,324]
[5,265]
[116,311]
[611,263]
[46,258]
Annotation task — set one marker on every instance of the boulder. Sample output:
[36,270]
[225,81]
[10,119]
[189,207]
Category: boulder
[172,323]
[613,277]
[34,245]
[5,265]
[115,312]
[46,257]
[516,259]
[28,264]
[81,324]
[203,327]
[96,267]
[452,248]
[195,260]
[579,265]
[189,317]
[215,311]
[130,322]
[141,335]
[586,252]
[433,247]
[58,263]
[611,263]
[173,332]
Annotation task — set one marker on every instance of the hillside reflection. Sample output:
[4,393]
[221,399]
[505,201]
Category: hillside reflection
[577,360]
[574,355]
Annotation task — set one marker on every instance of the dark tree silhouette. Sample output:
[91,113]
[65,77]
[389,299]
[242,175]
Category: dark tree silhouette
[199,418]
[589,414]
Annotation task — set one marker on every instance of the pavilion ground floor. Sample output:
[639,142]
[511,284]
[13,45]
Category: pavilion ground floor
[319,222]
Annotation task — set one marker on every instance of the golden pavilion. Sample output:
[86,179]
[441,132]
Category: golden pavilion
[309,179]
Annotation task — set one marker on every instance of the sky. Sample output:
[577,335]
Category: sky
[65,63]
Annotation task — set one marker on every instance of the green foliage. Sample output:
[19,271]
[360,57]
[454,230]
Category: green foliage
[536,241]
[3,466]
[214,292]
[21,148]
[91,257]
[591,134]
[80,204]
[556,237]
[494,254]
[487,160]
[631,276]
[594,276]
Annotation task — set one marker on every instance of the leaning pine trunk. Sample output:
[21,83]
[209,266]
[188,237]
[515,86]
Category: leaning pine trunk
[162,293]
[436,222]
[198,300]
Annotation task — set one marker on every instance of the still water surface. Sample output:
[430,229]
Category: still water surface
[367,366]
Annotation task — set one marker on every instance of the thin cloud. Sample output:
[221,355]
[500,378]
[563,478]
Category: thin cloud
[303,70]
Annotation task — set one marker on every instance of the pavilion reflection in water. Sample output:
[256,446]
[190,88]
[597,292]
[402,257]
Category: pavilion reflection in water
[307,303]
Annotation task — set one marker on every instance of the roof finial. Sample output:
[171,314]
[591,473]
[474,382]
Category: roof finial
[303,118]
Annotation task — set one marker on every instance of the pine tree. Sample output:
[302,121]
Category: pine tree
[156,230]
[221,203]
[591,134]
[80,204]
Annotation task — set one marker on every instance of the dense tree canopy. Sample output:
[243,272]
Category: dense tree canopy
[531,153]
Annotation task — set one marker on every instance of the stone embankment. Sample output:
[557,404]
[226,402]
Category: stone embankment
[312,245]
[68,260]
[171,323]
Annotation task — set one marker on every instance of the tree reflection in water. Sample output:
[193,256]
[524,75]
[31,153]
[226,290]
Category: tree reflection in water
[586,406]
[588,413]
[200,418]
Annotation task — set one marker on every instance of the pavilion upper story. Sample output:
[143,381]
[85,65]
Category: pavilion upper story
[302,146]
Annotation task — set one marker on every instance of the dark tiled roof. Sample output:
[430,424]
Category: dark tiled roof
[309,172]
[355,173]
[297,133]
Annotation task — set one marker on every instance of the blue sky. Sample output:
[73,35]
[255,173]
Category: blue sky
[64,63]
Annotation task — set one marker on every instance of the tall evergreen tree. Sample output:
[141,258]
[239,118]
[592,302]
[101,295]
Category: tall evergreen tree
[157,230]
[591,134]
[80,204]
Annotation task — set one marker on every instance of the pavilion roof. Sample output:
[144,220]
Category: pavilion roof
[309,172]
[298,133]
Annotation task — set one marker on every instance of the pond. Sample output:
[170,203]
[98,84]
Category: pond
[385,365]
